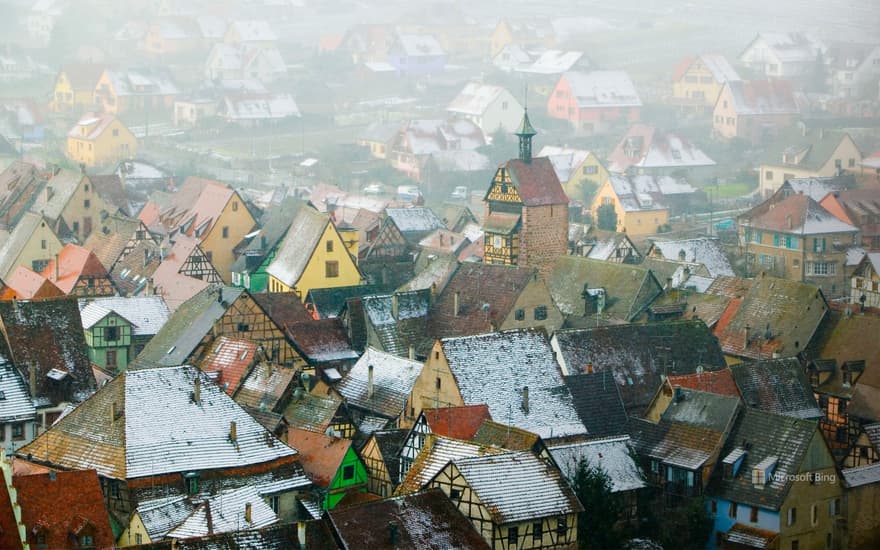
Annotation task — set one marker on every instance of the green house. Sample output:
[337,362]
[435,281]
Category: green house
[117,329]
[249,269]
[331,463]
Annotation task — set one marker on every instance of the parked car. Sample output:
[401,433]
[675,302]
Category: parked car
[460,193]
[410,193]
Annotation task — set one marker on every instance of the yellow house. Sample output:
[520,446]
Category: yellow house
[636,213]
[136,532]
[207,210]
[75,87]
[99,139]
[697,81]
[32,244]
[314,254]
[579,171]
[802,153]
[530,33]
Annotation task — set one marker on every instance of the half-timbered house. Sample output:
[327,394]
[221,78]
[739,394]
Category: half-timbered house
[526,210]
[78,272]
[331,463]
[456,422]
[515,500]
[380,455]
[390,258]
[217,311]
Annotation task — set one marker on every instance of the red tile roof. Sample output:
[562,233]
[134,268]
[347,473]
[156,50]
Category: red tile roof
[74,263]
[24,284]
[457,422]
[536,182]
[230,359]
[198,204]
[320,455]
[720,382]
[70,505]
[9,537]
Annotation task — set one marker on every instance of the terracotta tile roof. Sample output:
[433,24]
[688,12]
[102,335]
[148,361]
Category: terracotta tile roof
[427,519]
[750,537]
[799,214]
[74,263]
[457,422]
[24,284]
[677,443]
[320,455]
[477,284]
[110,188]
[720,382]
[778,385]
[9,534]
[158,429]
[502,436]
[228,361]
[195,207]
[264,387]
[536,182]
[110,240]
[777,315]
[47,336]
[64,505]
[312,412]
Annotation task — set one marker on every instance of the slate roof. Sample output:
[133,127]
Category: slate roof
[228,360]
[777,385]
[393,379]
[517,487]
[140,81]
[160,429]
[767,435]
[225,513]
[47,336]
[273,226]
[603,89]
[188,325]
[861,475]
[789,312]
[564,159]
[329,302]
[295,250]
[676,443]
[763,97]
[434,456]
[720,382]
[406,327]
[697,408]
[638,355]
[474,360]
[535,181]
[613,455]
[415,223]
[320,455]
[457,422]
[424,520]
[284,308]
[163,514]
[390,442]
[629,289]
[702,250]
[478,284]
[62,504]
[597,400]
[147,314]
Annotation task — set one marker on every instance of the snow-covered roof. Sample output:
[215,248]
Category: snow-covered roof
[296,249]
[495,368]
[147,314]
[613,455]
[226,512]
[16,404]
[517,487]
[720,67]
[631,199]
[475,98]
[253,30]
[160,515]
[603,89]
[553,62]
[701,250]
[436,453]
[664,185]
[855,255]
[393,379]
[417,45]
[791,46]
[424,137]
[419,218]
[564,159]
[259,107]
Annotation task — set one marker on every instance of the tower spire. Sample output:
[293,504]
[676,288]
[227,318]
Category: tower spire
[525,134]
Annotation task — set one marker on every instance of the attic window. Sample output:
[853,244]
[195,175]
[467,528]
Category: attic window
[763,471]
[192,482]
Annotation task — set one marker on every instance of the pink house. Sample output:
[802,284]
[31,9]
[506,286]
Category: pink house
[595,101]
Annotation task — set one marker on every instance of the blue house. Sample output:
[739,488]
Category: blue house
[416,55]
[777,486]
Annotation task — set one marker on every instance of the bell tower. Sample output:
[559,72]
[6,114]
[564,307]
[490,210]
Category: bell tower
[525,134]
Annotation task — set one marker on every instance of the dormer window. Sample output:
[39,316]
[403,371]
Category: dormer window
[762,473]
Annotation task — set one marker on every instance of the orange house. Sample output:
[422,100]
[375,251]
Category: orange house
[593,102]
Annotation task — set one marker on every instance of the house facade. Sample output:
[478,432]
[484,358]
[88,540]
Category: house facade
[593,102]
[492,108]
[865,282]
[100,139]
[635,213]
[754,110]
[697,81]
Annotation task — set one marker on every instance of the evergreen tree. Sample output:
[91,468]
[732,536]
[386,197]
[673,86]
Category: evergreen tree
[602,508]
[606,217]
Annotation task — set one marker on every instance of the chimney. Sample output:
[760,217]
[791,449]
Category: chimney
[525,399]
[197,391]
[746,335]
[392,533]
[112,412]
[300,534]
[149,290]
[233,432]
[247,513]
[32,380]
[456,306]
[394,305]
[370,382]
[412,353]
[146,257]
